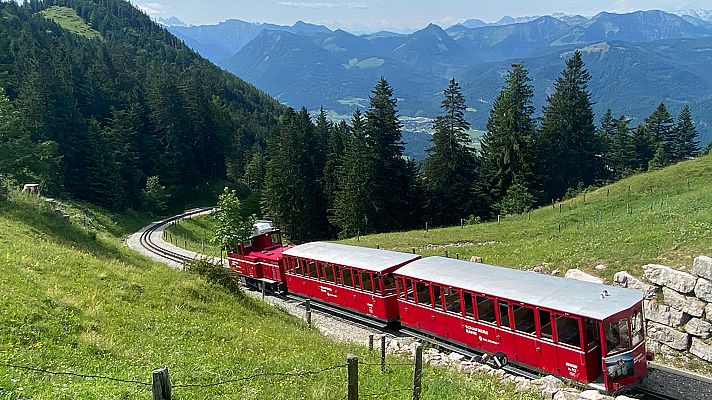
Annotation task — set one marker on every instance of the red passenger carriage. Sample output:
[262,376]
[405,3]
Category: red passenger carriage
[354,278]
[552,324]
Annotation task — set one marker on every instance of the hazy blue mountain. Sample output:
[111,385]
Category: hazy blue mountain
[170,21]
[640,26]
[474,23]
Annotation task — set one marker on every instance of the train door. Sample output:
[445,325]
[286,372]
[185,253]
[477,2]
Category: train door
[504,335]
[525,337]
[592,338]
[438,319]
[424,306]
[570,355]
[545,341]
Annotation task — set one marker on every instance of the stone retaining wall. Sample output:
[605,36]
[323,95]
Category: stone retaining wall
[678,308]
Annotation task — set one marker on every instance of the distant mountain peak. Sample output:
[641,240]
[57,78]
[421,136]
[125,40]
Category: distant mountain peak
[170,21]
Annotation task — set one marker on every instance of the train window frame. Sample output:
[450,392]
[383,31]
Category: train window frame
[370,288]
[637,333]
[436,292]
[507,317]
[418,287]
[409,290]
[312,268]
[400,282]
[472,312]
[617,323]
[548,325]
[488,301]
[450,306]
[337,274]
[325,268]
[520,324]
[568,340]
[388,284]
[593,334]
[351,283]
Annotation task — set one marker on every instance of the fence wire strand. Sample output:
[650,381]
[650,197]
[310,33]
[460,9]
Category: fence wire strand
[79,375]
[259,375]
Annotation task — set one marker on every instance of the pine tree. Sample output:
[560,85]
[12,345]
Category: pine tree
[255,169]
[567,142]
[686,144]
[645,145]
[660,126]
[334,154]
[449,170]
[620,149]
[507,144]
[354,209]
[394,180]
[606,133]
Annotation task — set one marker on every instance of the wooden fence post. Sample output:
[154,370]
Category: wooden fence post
[447,254]
[161,384]
[263,291]
[383,353]
[417,371]
[352,363]
[307,306]
[370,342]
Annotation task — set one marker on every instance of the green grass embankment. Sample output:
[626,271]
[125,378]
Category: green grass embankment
[194,234]
[76,299]
[68,19]
[663,217]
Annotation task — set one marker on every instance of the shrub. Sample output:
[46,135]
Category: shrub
[215,273]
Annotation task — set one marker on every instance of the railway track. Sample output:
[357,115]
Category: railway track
[668,387]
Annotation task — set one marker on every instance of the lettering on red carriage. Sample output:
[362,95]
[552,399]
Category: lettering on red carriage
[370,308]
[479,332]
[572,368]
[328,291]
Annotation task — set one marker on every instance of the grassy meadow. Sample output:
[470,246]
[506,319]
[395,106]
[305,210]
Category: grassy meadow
[194,234]
[75,299]
[68,19]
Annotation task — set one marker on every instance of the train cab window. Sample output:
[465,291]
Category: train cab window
[592,334]
[485,310]
[567,331]
[346,278]
[636,327]
[312,270]
[503,314]
[409,290]
[617,336]
[545,323]
[389,284]
[437,297]
[452,301]
[328,274]
[366,282]
[423,293]
[524,319]
[469,308]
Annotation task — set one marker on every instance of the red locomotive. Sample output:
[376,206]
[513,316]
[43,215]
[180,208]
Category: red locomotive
[586,332]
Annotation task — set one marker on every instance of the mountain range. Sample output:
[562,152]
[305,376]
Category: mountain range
[637,60]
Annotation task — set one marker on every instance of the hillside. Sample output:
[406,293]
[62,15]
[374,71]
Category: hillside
[666,218]
[81,302]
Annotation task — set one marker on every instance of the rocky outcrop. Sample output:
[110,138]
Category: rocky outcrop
[703,290]
[699,328]
[701,349]
[664,314]
[626,280]
[668,277]
[687,304]
[579,275]
[668,336]
[593,395]
[703,267]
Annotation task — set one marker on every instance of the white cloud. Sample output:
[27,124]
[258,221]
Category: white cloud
[301,4]
[358,6]
[153,8]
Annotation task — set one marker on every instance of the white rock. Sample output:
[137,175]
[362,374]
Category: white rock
[593,395]
[688,304]
[579,275]
[701,349]
[669,336]
[708,312]
[476,259]
[702,266]
[698,327]
[663,314]
[548,386]
[566,394]
[522,386]
[624,398]
[626,280]
[601,267]
[455,358]
[666,276]
[703,290]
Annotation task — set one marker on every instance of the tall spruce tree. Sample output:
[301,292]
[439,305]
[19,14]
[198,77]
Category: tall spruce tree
[686,144]
[449,170]
[567,141]
[334,153]
[507,145]
[354,209]
[660,126]
[620,149]
[394,180]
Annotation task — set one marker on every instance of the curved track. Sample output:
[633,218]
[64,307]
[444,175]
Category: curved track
[647,392]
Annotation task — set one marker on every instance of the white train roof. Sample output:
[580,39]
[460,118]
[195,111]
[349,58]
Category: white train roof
[352,256]
[552,292]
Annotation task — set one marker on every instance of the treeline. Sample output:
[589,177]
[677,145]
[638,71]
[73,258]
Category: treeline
[94,119]
[324,180]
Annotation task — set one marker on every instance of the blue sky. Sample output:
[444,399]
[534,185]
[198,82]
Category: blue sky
[397,15]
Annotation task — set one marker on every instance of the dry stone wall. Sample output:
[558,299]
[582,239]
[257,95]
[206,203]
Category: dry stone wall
[678,307]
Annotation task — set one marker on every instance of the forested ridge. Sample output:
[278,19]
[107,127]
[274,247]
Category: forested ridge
[95,118]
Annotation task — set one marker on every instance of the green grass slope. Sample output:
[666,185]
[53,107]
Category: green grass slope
[76,299]
[68,19]
[663,216]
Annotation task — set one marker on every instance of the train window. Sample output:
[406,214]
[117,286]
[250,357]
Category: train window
[485,309]
[617,337]
[524,319]
[545,323]
[366,282]
[312,269]
[389,284]
[399,286]
[409,290]
[346,277]
[452,301]
[328,274]
[469,309]
[337,275]
[423,293]
[437,297]
[592,333]
[567,331]
[503,314]
[636,327]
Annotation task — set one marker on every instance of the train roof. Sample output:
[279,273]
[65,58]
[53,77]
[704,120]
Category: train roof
[365,258]
[552,292]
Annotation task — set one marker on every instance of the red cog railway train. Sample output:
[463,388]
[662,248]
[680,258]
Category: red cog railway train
[589,333]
